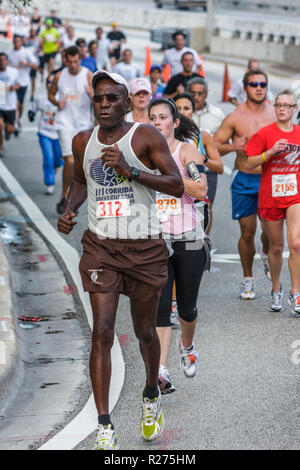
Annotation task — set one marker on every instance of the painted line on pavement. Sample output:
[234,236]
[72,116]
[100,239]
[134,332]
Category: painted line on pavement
[235,257]
[28,129]
[86,420]
[227,170]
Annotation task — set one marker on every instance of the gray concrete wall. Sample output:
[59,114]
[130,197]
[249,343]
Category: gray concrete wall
[269,38]
[126,16]
[236,48]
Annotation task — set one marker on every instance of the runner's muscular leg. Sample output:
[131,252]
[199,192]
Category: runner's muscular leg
[104,306]
[144,323]
[293,235]
[246,244]
[264,241]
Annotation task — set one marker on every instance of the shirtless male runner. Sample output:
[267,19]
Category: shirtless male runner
[123,252]
[239,126]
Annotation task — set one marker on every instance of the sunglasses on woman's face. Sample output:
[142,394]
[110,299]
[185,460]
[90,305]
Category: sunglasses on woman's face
[256,84]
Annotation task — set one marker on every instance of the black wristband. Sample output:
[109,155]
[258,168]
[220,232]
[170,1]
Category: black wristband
[134,174]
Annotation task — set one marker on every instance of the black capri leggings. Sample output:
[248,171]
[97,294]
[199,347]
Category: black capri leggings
[185,267]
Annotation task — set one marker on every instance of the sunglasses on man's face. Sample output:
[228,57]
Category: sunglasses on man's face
[111,98]
[256,84]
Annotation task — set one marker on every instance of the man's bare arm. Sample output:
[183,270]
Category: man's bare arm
[149,142]
[214,162]
[78,190]
[53,91]
[226,132]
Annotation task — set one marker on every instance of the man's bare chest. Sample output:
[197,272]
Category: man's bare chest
[250,124]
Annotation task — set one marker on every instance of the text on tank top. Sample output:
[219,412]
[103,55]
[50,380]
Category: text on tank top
[118,208]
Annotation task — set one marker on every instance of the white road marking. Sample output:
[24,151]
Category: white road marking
[235,258]
[28,129]
[86,421]
[227,170]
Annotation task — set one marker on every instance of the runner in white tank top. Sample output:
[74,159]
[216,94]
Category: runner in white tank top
[115,168]
[74,114]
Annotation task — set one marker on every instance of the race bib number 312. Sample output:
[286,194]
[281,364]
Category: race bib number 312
[116,208]
[284,185]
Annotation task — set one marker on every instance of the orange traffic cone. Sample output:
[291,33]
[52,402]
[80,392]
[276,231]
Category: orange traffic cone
[9,33]
[166,74]
[148,61]
[202,73]
[226,85]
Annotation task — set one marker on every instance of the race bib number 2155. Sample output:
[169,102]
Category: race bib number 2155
[284,185]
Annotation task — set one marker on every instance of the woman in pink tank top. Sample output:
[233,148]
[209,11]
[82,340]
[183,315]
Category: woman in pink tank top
[185,234]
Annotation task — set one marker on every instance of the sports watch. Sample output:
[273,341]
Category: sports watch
[134,174]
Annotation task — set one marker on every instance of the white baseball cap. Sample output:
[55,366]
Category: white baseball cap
[99,74]
[139,84]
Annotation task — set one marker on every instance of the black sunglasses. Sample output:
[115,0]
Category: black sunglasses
[111,98]
[256,84]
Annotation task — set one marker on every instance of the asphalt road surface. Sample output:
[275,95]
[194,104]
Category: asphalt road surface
[245,395]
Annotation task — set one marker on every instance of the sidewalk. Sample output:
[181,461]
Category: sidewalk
[11,370]
[44,337]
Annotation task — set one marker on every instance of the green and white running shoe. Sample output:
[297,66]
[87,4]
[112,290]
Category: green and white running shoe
[106,438]
[152,422]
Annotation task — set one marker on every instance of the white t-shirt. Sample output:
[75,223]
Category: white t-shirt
[8,99]
[128,71]
[67,41]
[4,19]
[209,118]
[173,57]
[48,110]
[20,24]
[102,52]
[22,55]
[77,113]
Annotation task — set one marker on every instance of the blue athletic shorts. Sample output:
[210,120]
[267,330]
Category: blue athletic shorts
[244,194]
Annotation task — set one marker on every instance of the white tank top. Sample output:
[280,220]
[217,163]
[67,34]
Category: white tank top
[118,208]
[77,114]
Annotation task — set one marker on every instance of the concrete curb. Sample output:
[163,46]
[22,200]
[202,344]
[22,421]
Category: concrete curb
[10,362]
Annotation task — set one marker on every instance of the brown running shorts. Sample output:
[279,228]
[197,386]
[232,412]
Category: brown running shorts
[136,268]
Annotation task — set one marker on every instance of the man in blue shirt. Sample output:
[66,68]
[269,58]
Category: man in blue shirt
[86,60]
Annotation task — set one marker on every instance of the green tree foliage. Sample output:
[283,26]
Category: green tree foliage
[16,3]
